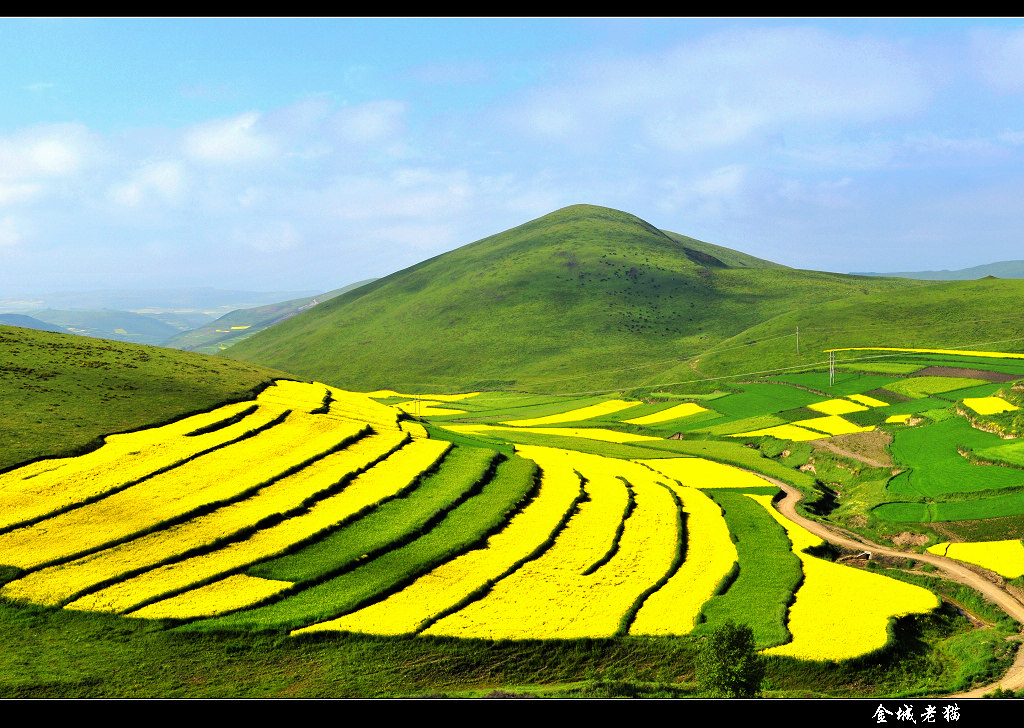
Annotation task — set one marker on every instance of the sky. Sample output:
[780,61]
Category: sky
[307,154]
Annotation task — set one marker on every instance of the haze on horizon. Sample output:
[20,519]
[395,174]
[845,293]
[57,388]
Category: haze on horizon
[305,154]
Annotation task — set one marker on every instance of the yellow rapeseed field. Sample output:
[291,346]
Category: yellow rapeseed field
[833,425]
[989,405]
[710,553]
[841,612]
[590,433]
[701,473]
[234,592]
[58,583]
[672,413]
[869,401]
[450,583]
[427,408]
[583,413]
[551,597]
[216,477]
[837,407]
[784,432]
[386,393]
[381,481]
[987,354]
[50,485]
[1006,558]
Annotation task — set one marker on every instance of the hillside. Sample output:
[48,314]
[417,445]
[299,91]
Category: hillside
[60,392]
[242,323]
[981,315]
[551,305]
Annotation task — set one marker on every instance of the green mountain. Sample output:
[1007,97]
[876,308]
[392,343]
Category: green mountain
[242,323]
[585,298]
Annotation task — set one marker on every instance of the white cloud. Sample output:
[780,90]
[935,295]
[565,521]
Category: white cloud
[371,122]
[11,232]
[998,58]
[235,140]
[160,180]
[46,151]
[727,88]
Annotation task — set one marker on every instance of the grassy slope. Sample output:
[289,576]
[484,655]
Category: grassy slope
[957,315]
[60,393]
[579,291]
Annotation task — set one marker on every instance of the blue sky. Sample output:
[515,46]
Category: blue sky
[307,154]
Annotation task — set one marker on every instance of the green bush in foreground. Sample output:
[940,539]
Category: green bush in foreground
[728,665]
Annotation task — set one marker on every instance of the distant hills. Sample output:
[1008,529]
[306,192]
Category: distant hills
[1004,269]
[187,318]
[235,326]
[583,299]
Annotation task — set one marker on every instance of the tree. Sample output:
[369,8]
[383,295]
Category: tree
[728,666]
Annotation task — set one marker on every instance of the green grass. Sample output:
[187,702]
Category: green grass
[769,573]
[920,387]
[60,393]
[938,469]
[395,522]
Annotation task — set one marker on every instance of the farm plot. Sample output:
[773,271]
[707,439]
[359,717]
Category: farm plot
[1006,558]
[830,619]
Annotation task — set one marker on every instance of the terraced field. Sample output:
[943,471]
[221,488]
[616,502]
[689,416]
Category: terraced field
[497,516]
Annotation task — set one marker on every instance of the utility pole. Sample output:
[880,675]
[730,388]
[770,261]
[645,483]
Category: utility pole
[831,368]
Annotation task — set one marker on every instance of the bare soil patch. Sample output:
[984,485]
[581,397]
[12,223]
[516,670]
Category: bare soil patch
[988,376]
[910,539]
[870,448]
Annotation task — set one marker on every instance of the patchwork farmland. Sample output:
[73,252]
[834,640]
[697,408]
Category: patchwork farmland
[311,511]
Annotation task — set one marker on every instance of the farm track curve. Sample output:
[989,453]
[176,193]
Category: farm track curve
[1014,677]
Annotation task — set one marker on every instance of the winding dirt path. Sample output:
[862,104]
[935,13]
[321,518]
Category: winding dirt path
[953,570]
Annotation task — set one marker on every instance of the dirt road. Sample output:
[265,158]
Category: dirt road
[1014,678]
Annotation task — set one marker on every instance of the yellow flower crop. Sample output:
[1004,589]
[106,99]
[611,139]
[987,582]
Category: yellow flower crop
[900,419]
[672,413]
[1006,558]
[590,433]
[701,473]
[234,592]
[49,485]
[426,408]
[841,612]
[784,432]
[379,482]
[988,354]
[385,393]
[216,477]
[58,583]
[551,597]
[837,407]
[833,425]
[453,581]
[710,553]
[357,407]
[989,405]
[298,396]
[583,413]
[865,399]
